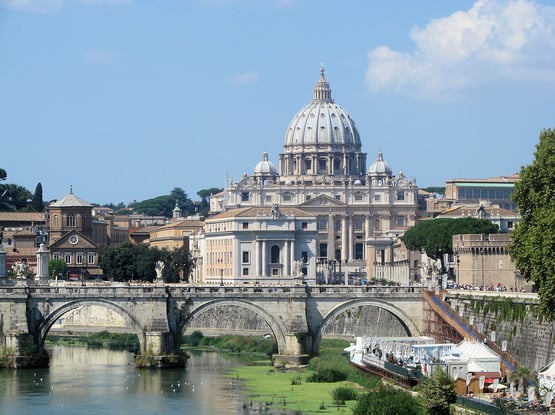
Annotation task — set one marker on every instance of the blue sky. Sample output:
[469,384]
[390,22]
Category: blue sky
[126,99]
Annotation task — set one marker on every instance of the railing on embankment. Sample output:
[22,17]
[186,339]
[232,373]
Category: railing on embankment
[464,328]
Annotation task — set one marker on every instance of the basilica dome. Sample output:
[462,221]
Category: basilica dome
[265,167]
[322,122]
[380,167]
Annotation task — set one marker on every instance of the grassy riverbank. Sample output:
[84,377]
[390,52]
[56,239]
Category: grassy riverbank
[269,387]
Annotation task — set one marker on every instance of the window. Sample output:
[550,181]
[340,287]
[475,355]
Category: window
[401,196]
[337,197]
[323,250]
[377,198]
[400,221]
[338,225]
[91,256]
[55,221]
[287,197]
[79,258]
[56,255]
[246,259]
[245,272]
[304,256]
[510,224]
[322,224]
[308,165]
[304,225]
[245,225]
[308,197]
[274,254]
[359,223]
[268,198]
[322,166]
[244,196]
[70,220]
[359,249]
[67,258]
[358,196]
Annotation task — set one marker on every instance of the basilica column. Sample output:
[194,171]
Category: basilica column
[264,258]
[351,237]
[292,256]
[286,259]
[331,236]
[344,238]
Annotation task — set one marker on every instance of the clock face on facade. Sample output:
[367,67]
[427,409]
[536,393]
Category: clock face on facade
[73,239]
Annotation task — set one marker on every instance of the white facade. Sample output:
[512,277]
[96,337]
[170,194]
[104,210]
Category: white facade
[359,212]
[260,246]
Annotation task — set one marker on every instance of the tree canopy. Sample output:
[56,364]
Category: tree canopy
[533,239]
[37,204]
[435,236]
[128,261]
[386,401]
[437,392]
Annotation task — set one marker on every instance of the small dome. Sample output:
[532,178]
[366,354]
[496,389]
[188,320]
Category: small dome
[380,167]
[265,167]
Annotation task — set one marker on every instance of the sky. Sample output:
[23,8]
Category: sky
[124,100]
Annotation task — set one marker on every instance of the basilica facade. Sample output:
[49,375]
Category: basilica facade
[359,212]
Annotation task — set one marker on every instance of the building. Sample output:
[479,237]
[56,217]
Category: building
[260,245]
[484,261]
[494,191]
[21,234]
[359,212]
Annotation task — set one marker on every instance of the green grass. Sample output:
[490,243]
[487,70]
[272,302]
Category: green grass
[273,387]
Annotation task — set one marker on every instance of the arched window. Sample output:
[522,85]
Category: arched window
[274,255]
[70,220]
[55,221]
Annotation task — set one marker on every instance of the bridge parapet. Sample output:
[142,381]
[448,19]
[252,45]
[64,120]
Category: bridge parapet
[236,291]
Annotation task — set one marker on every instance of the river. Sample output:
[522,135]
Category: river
[101,381]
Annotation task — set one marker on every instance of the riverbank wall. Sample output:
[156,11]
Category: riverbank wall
[510,320]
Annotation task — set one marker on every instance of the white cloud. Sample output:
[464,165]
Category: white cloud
[244,78]
[493,41]
[100,56]
[50,6]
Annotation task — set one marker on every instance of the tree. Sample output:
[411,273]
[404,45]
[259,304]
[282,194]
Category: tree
[386,401]
[533,239]
[437,393]
[37,203]
[57,267]
[435,236]
[521,376]
[177,264]
[204,195]
[127,262]
[13,197]
[3,174]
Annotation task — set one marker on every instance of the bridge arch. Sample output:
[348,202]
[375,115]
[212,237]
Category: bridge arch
[275,326]
[130,320]
[405,320]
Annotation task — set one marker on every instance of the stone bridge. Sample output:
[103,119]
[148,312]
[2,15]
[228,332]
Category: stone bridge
[159,314]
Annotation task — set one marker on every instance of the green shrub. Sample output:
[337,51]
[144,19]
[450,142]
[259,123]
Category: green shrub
[327,376]
[344,393]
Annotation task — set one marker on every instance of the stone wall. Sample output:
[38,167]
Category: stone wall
[514,319]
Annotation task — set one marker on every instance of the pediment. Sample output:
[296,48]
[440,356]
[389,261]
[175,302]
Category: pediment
[323,201]
[73,240]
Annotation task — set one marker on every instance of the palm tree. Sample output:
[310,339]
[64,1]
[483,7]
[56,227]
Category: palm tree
[521,376]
